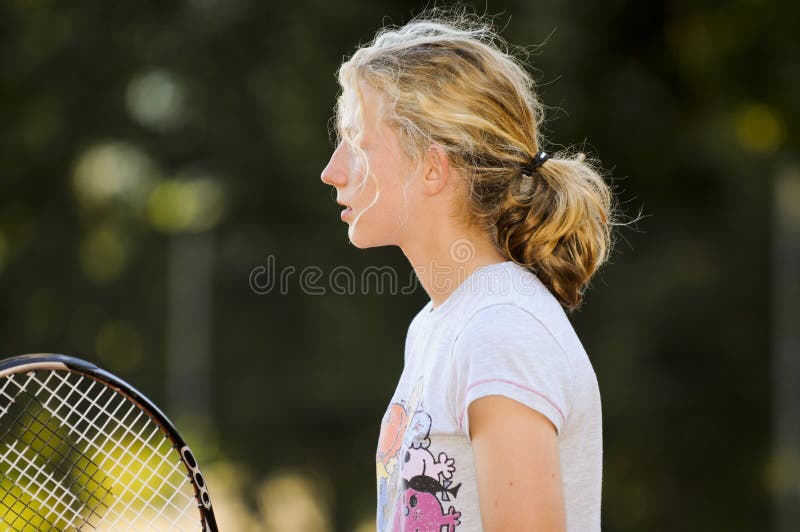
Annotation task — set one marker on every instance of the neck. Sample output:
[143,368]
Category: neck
[444,258]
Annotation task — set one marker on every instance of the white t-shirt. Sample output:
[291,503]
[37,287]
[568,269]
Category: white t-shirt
[500,333]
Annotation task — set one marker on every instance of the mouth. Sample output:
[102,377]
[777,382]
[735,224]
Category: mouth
[347,211]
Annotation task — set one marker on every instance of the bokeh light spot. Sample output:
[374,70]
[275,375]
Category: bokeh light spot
[156,99]
[112,171]
[103,254]
[292,502]
[186,205]
[759,128]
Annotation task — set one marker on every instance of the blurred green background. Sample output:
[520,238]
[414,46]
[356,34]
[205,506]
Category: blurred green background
[154,155]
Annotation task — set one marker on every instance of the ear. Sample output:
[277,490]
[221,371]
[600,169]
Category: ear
[436,170]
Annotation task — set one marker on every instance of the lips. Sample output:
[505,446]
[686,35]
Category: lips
[348,210]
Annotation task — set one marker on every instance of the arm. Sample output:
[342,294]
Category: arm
[517,467]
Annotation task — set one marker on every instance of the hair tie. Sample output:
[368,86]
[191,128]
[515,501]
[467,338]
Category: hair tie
[535,162]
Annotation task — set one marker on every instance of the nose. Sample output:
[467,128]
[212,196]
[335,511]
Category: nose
[333,174]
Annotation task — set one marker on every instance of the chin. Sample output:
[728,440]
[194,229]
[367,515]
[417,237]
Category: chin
[363,241]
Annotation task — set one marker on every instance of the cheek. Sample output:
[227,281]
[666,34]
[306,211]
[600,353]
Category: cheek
[387,177]
[384,181]
[363,182]
[358,162]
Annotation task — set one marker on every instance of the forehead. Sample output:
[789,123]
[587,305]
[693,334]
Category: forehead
[365,120]
[377,129]
[372,105]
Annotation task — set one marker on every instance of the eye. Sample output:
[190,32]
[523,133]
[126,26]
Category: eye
[413,501]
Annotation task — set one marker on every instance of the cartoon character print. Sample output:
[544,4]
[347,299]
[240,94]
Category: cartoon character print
[420,509]
[425,481]
[418,460]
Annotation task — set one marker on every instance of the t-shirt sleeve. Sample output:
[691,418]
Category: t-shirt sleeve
[504,350]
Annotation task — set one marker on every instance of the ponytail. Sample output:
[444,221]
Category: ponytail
[557,222]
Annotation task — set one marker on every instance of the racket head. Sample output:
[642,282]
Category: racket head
[80,447]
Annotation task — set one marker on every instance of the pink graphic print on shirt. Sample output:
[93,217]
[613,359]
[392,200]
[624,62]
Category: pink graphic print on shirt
[405,462]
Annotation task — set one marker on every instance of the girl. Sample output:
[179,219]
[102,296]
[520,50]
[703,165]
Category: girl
[495,424]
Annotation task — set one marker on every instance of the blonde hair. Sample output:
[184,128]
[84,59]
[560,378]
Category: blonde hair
[447,78]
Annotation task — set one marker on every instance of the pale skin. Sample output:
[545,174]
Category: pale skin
[515,447]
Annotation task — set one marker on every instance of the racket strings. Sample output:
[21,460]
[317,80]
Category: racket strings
[130,463]
[50,483]
[33,428]
[84,427]
[123,430]
[75,453]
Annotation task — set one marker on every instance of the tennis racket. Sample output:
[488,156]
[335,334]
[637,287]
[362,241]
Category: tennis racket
[80,449]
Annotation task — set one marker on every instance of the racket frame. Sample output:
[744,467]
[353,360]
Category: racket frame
[57,362]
